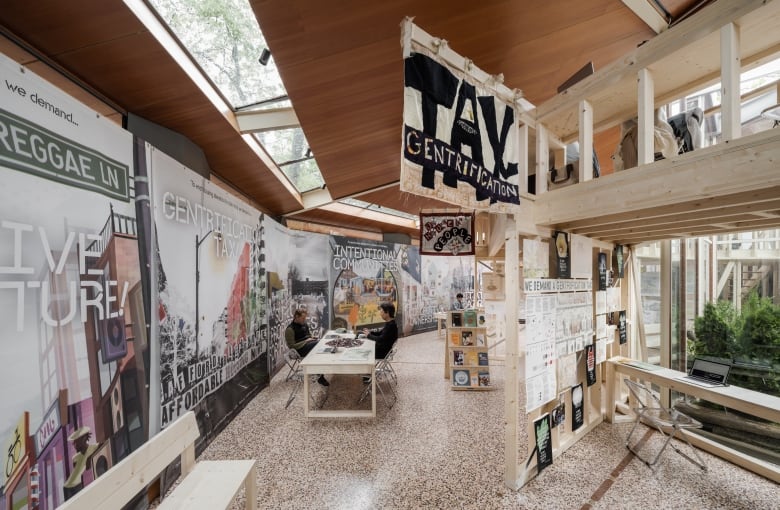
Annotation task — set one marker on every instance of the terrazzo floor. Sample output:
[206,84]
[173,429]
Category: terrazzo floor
[443,449]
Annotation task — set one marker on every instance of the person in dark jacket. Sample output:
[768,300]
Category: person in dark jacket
[385,338]
[298,337]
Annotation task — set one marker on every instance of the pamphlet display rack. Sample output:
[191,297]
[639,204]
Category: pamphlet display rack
[467,363]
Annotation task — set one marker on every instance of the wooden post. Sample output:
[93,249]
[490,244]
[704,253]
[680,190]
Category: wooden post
[646,120]
[586,142]
[514,410]
[542,159]
[730,62]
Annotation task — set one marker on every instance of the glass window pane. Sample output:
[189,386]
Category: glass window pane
[224,39]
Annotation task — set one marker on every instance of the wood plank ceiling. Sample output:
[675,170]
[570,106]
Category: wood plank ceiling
[341,64]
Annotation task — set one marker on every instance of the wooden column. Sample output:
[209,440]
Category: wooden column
[542,159]
[731,124]
[586,142]
[514,410]
[646,117]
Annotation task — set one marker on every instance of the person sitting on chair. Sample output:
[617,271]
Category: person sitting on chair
[458,304]
[298,337]
[386,337]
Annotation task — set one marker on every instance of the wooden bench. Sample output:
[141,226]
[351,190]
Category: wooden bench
[204,485]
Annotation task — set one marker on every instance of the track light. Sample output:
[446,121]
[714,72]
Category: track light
[265,56]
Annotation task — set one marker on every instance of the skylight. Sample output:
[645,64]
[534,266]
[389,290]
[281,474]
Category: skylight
[377,208]
[224,39]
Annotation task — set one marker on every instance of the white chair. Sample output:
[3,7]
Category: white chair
[669,422]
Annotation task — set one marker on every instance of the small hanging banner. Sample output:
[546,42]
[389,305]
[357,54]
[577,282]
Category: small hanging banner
[448,234]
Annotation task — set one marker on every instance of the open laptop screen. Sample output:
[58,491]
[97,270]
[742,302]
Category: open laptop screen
[711,371]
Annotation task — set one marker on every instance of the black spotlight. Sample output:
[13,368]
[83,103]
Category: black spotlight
[265,56]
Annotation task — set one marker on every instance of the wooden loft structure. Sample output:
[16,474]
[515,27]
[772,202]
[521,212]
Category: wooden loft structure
[728,187]
[732,186]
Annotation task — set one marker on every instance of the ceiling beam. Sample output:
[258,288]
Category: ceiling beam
[648,14]
[258,121]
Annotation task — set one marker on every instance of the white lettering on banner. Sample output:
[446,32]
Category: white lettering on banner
[71,296]
[49,426]
[181,210]
[534,285]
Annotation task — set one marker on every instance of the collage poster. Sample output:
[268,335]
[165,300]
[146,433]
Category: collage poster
[210,283]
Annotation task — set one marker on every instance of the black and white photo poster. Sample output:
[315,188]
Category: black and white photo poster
[617,260]
[602,271]
[577,407]
[544,453]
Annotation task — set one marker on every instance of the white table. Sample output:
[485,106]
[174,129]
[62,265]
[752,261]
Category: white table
[318,362]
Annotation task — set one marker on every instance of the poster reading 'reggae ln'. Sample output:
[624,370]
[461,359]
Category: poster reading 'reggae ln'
[73,395]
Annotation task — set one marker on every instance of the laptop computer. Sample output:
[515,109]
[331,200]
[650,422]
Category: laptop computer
[707,373]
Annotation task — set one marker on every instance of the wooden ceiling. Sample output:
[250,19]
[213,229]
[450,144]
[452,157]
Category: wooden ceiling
[342,66]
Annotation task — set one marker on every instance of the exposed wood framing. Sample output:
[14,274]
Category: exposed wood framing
[731,125]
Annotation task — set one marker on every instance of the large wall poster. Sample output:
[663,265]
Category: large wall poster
[211,286]
[73,386]
[364,274]
[298,277]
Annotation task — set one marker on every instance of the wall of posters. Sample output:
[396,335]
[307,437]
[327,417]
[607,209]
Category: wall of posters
[97,230]
[211,283]
[73,385]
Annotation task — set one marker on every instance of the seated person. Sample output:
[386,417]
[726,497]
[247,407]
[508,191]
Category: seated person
[458,304]
[386,337]
[298,337]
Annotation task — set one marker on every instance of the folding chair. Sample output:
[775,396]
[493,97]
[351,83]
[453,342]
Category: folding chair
[649,409]
[388,366]
[293,360]
[383,372]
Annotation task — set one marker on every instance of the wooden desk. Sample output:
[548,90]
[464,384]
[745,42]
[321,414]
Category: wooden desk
[740,399]
[317,362]
[733,397]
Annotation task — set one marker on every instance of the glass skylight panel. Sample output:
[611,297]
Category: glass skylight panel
[290,151]
[224,39]
[377,208]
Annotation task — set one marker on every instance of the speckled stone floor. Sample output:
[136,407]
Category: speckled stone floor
[438,448]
